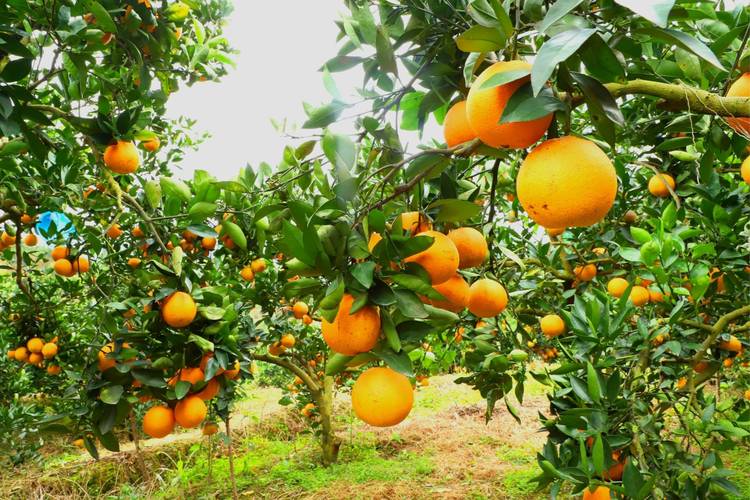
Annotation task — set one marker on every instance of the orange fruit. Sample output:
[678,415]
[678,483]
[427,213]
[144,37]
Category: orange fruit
[288,340]
[552,325]
[179,310]
[732,345]
[382,397]
[151,145]
[12,354]
[375,238]
[35,358]
[79,443]
[655,296]
[64,267]
[192,375]
[247,273]
[617,286]
[555,231]
[487,298]
[456,293]
[456,128]
[740,88]
[484,107]
[351,334]
[440,260]
[415,222]
[701,367]
[158,421]
[122,157]
[681,383]
[234,372]
[21,354]
[600,493]
[35,345]
[208,243]
[210,391]
[30,240]
[745,170]
[307,319]
[299,309]
[258,265]
[134,262]
[728,362]
[747,394]
[114,231]
[49,350]
[471,246]
[210,429]
[639,296]
[585,273]
[566,182]
[54,370]
[459,335]
[276,349]
[657,186]
[7,239]
[190,412]
[27,219]
[60,252]
[81,264]
[137,232]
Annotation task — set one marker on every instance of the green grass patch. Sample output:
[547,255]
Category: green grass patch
[518,483]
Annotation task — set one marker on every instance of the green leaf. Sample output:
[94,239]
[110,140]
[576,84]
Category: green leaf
[235,233]
[685,41]
[337,363]
[512,410]
[505,77]
[202,209]
[16,70]
[204,344]
[175,187]
[399,362]
[341,152]
[640,235]
[103,19]
[669,216]
[632,480]
[363,273]
[554,51]
[182,388]
[594,389]
[389,329]
[152,190]
[656,11]
[325,115]
[384,52]
[211,313]
[556,12]
[177,254]
[409,305]
[491,14]
[481,39]
[600,60]
[597,454]
[454,210]
[523,106]
[598,97]
[111,394]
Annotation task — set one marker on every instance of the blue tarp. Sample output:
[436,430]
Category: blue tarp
[63,225]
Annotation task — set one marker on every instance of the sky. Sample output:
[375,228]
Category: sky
[282,46]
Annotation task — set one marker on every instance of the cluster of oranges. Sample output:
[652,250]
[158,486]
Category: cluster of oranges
[287,341]
[257,266]
[8,240]
[36,352]
[67,266]
[122,157]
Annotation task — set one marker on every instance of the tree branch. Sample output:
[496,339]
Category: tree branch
[717,329]
[306,378]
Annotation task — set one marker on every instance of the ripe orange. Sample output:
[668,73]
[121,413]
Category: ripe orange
[655,296]
[732,345]
[60,252]
[657,186]
[134,262]
[258,265]
[728,362]
[745,170]
[639,296]
[440,260]
[234,372]
[600,493]
[382,397]
[484,107]
[681,383]
[35,345]
[190,412]
[555,231]
[30,240]
[247,273]
[299,309]
[63,267]
[701,367]
[210,429]
[552,325]
[288,340]
[456,128]
[471,246]
[276,349]
[210,391]
[7,239]
[21,354]
[617,286]
[54,370]
[192,375]
[79,443]
[49,350]
[307,319]
[151,145]
[456,293]
[179,310]
[566,182]
[158,421]
[12,354]
[122,157]
[351,334]
[137,232]
[27,219]
[740,88]
[487,298]
[208,243]
[585,273]
[375,238]
[81,264]
[114,231]
[414,222]
[35,358]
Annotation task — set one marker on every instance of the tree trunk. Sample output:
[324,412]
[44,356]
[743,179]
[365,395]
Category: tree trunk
[329,443]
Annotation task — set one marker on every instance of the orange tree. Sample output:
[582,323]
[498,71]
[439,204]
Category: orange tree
[583,207]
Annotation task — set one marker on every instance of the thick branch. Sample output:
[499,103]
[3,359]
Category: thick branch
[717,329]
[284,363]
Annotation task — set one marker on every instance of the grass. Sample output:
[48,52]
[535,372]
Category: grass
[739,460]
